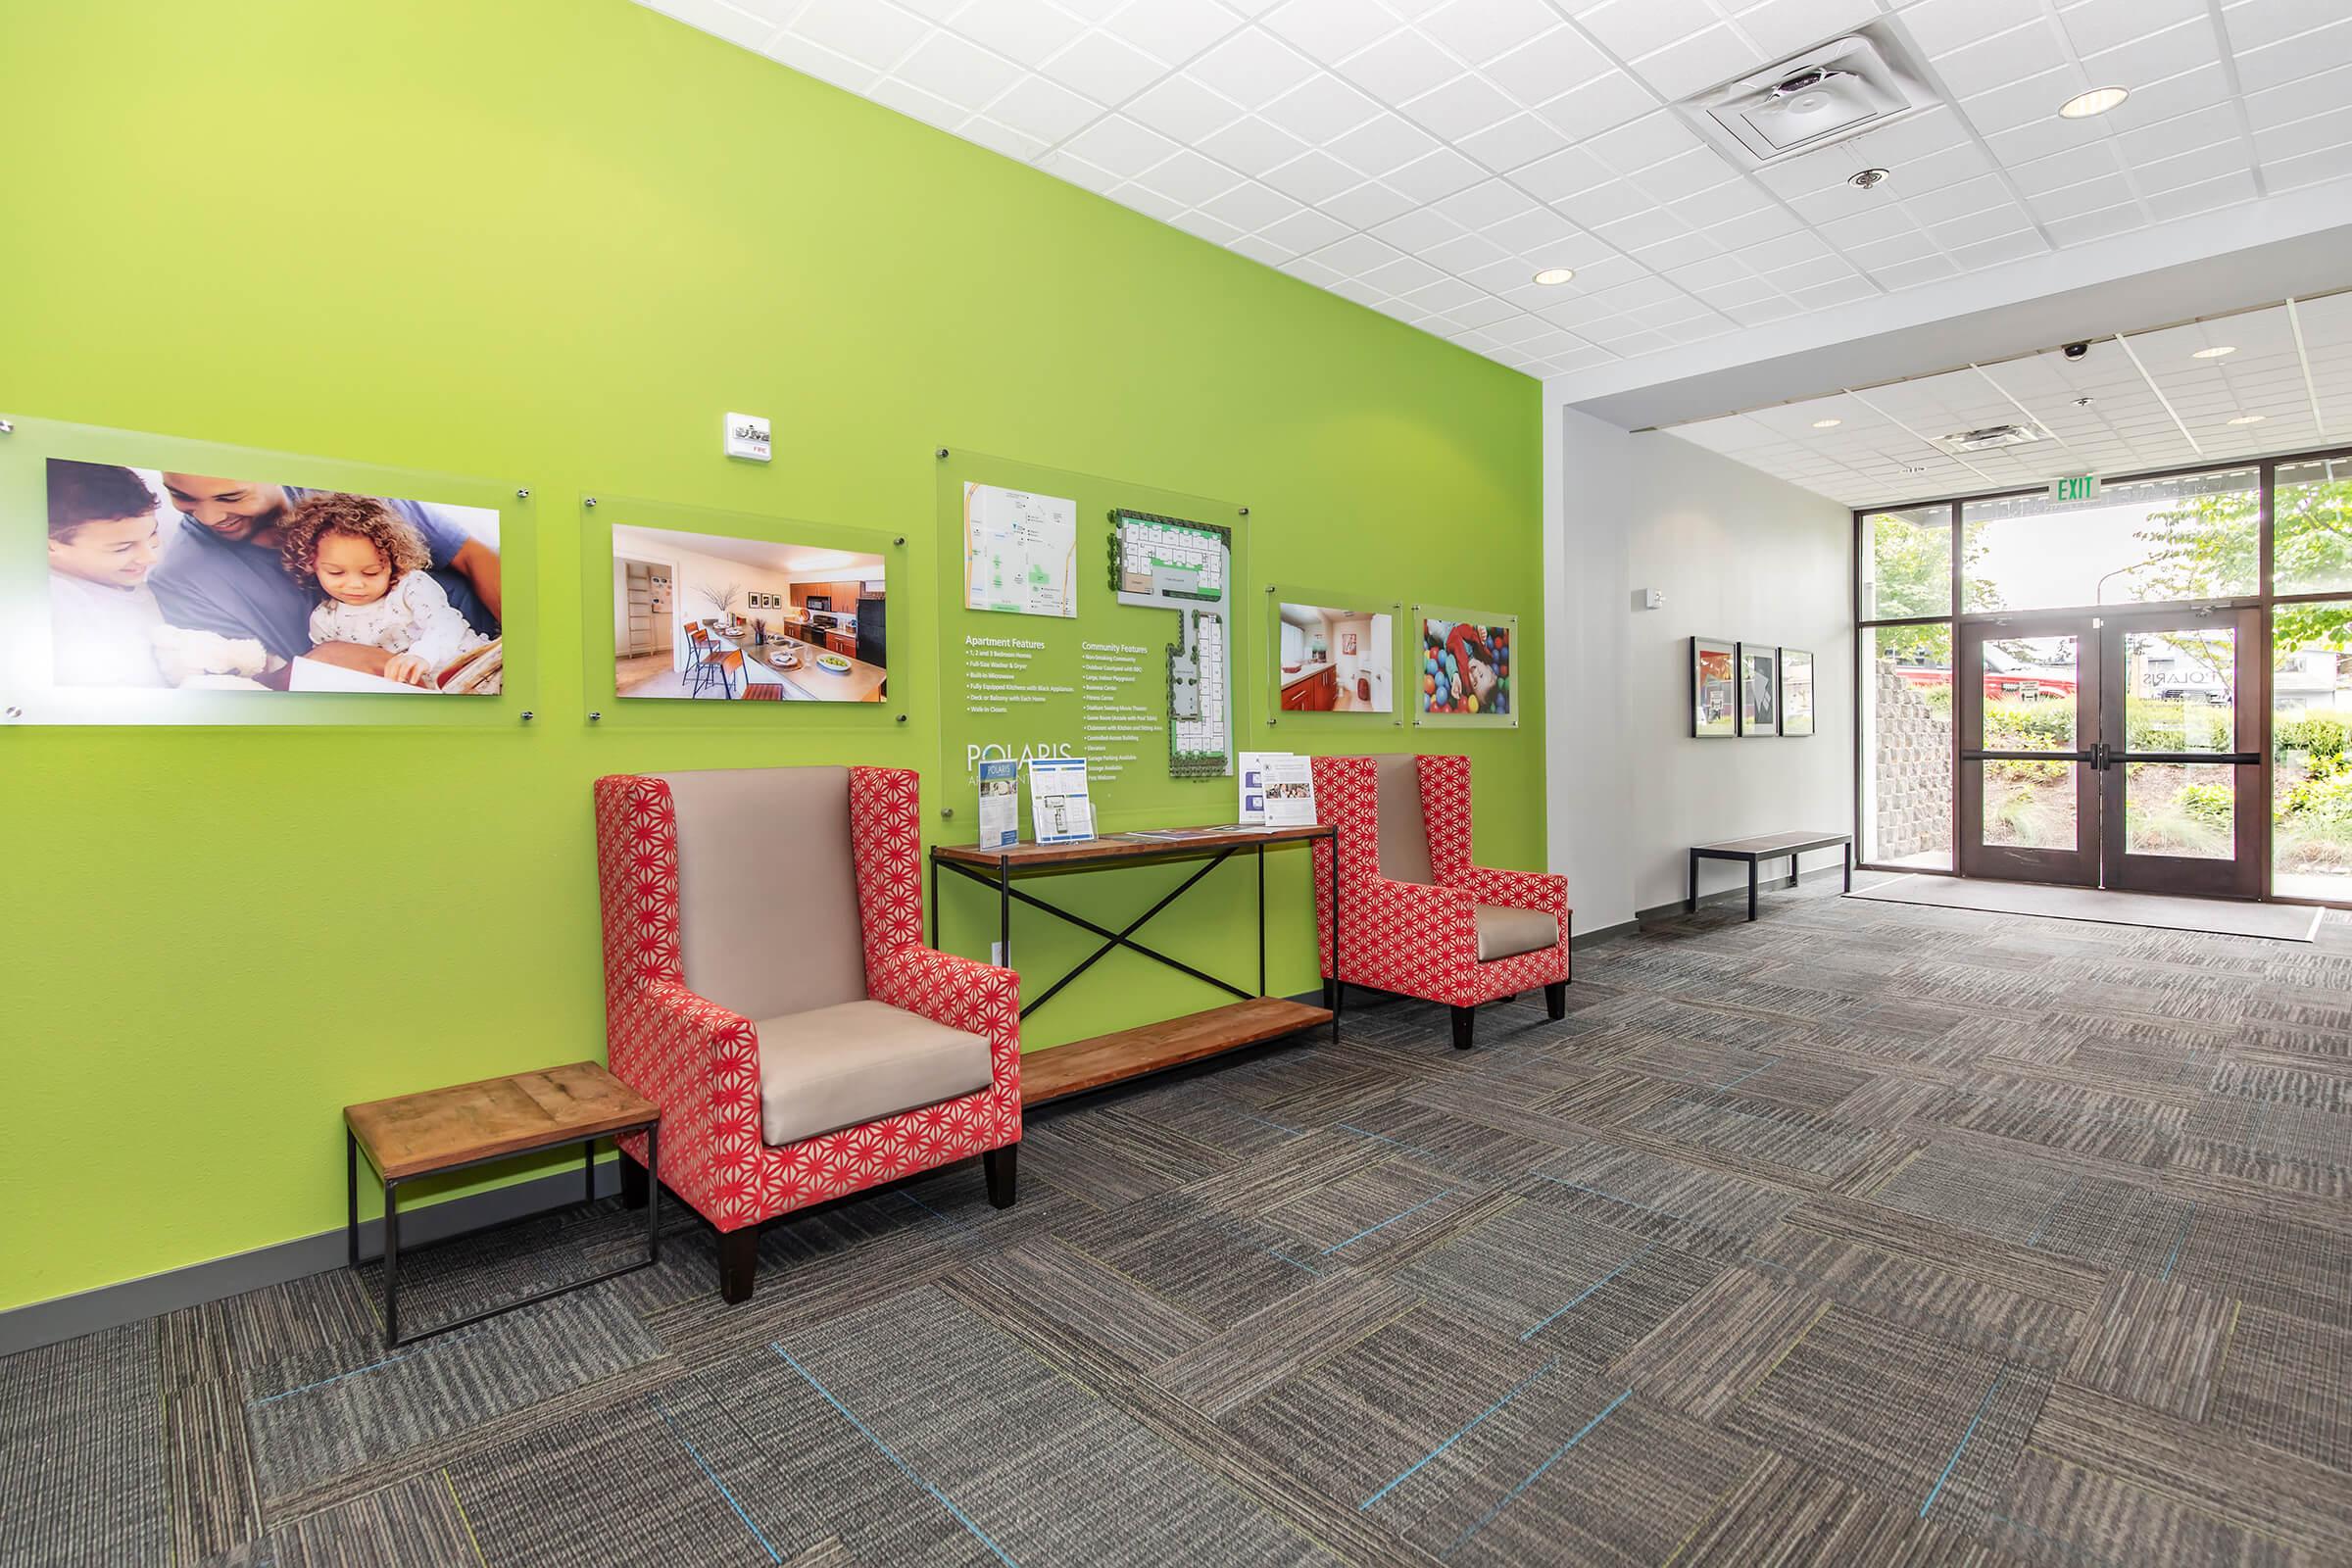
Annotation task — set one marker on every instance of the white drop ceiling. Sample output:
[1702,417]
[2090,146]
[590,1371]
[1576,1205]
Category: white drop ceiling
[2139,402]
[1427,157]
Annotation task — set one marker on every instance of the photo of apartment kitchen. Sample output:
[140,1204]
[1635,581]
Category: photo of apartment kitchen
[715,618]
[1335,660]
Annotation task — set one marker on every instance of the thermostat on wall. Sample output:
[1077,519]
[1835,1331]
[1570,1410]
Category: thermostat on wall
[1650,599]
[747,437]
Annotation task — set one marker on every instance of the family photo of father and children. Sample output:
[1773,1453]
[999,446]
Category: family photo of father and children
[196,582]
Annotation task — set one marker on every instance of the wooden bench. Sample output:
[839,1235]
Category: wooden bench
[1767,847]
[440,1130]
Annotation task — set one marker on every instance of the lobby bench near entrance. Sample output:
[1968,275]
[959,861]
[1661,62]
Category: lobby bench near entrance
[1767,847]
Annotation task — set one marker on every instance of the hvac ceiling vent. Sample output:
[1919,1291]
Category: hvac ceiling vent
[1812,100]
[1992,436]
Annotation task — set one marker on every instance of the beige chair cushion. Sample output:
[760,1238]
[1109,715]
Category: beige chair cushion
[1506,933]
[767,892]
[855,1062]
[1403,834]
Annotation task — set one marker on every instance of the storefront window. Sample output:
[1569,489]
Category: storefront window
[1907,564]
[2311,548]
[2311,733]
[1906,713]
[2192,536]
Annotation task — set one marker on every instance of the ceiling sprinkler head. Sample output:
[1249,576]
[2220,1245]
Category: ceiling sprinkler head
[1869,179]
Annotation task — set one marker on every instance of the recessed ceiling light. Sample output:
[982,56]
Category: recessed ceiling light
[1869,178]
[2098,101]
[2250,418]
[1552,277]
[2218,350]
[1827,424]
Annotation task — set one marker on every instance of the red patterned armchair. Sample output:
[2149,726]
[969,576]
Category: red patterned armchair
[1416,918]
[767,985]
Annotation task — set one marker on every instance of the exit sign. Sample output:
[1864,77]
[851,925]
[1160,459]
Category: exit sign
[2082,487]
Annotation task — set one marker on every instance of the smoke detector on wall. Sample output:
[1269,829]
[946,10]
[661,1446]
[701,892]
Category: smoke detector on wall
[1992,436]
[1812,100]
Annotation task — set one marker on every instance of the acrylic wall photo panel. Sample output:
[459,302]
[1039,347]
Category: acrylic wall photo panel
[163,579]
[715,617]
[1467,670]
[1797,692]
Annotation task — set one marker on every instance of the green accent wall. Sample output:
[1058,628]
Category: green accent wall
[550,242]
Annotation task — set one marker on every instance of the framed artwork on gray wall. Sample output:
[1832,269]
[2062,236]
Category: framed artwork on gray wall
[1797,692]
[1714,688]
[1759,689]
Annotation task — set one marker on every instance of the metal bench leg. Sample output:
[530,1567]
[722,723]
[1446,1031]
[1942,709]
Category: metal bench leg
[1794,858]
[1751,888]
[1690,904]
[1850,865]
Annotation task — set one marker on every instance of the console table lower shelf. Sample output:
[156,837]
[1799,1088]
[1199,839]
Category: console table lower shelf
[1253,1018]
[1084,1065]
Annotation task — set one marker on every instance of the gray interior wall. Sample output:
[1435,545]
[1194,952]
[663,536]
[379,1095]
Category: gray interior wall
[1737,555]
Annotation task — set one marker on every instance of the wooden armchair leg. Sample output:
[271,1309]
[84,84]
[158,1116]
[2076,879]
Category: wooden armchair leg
[1555,999]
[1001,1165]
[1462,1018]
[738,1263]
[634,1188]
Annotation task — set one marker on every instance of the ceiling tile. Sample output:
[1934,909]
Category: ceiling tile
[1490,140]
[1171,30]
[1399,68]
[1477,30]
[1330,31]
[1252,68]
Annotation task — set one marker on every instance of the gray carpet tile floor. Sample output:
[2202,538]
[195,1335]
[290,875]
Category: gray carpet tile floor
[1867,1233]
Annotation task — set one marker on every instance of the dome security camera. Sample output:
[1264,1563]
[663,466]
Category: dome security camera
[2075,351]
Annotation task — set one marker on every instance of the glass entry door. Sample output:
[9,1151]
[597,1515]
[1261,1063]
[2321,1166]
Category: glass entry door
[2181,764]
[2120,750]
[2027,690]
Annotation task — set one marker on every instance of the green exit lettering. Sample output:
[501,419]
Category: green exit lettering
[2082,487]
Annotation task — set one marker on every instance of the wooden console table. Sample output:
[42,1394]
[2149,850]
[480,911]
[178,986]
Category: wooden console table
[1148,1048]
[1767,847]
[440,1130]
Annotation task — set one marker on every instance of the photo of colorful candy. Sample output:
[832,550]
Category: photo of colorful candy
[1465,668]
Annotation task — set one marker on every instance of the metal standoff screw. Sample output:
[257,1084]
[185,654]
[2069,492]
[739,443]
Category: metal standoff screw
[595,714]
[901,718]
[7,427]
[588,500]
[1245,512]
[900,540]
[527,715]
[941,453]
[14,712]
[522,495]
[946,812]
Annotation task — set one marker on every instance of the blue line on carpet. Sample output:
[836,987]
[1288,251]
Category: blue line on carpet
[1349,1127]
[696,1454]
[372,1366]
[1414,1468]
[1589,1289]
[1295,1263]
[2179,1241]
[935,1213]
[1384,1224]
[1280,1127]
[905,1468]
[1534,1475]
[2051,1212]
[1773,1062]
[1982,1406]
[1662,1213]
